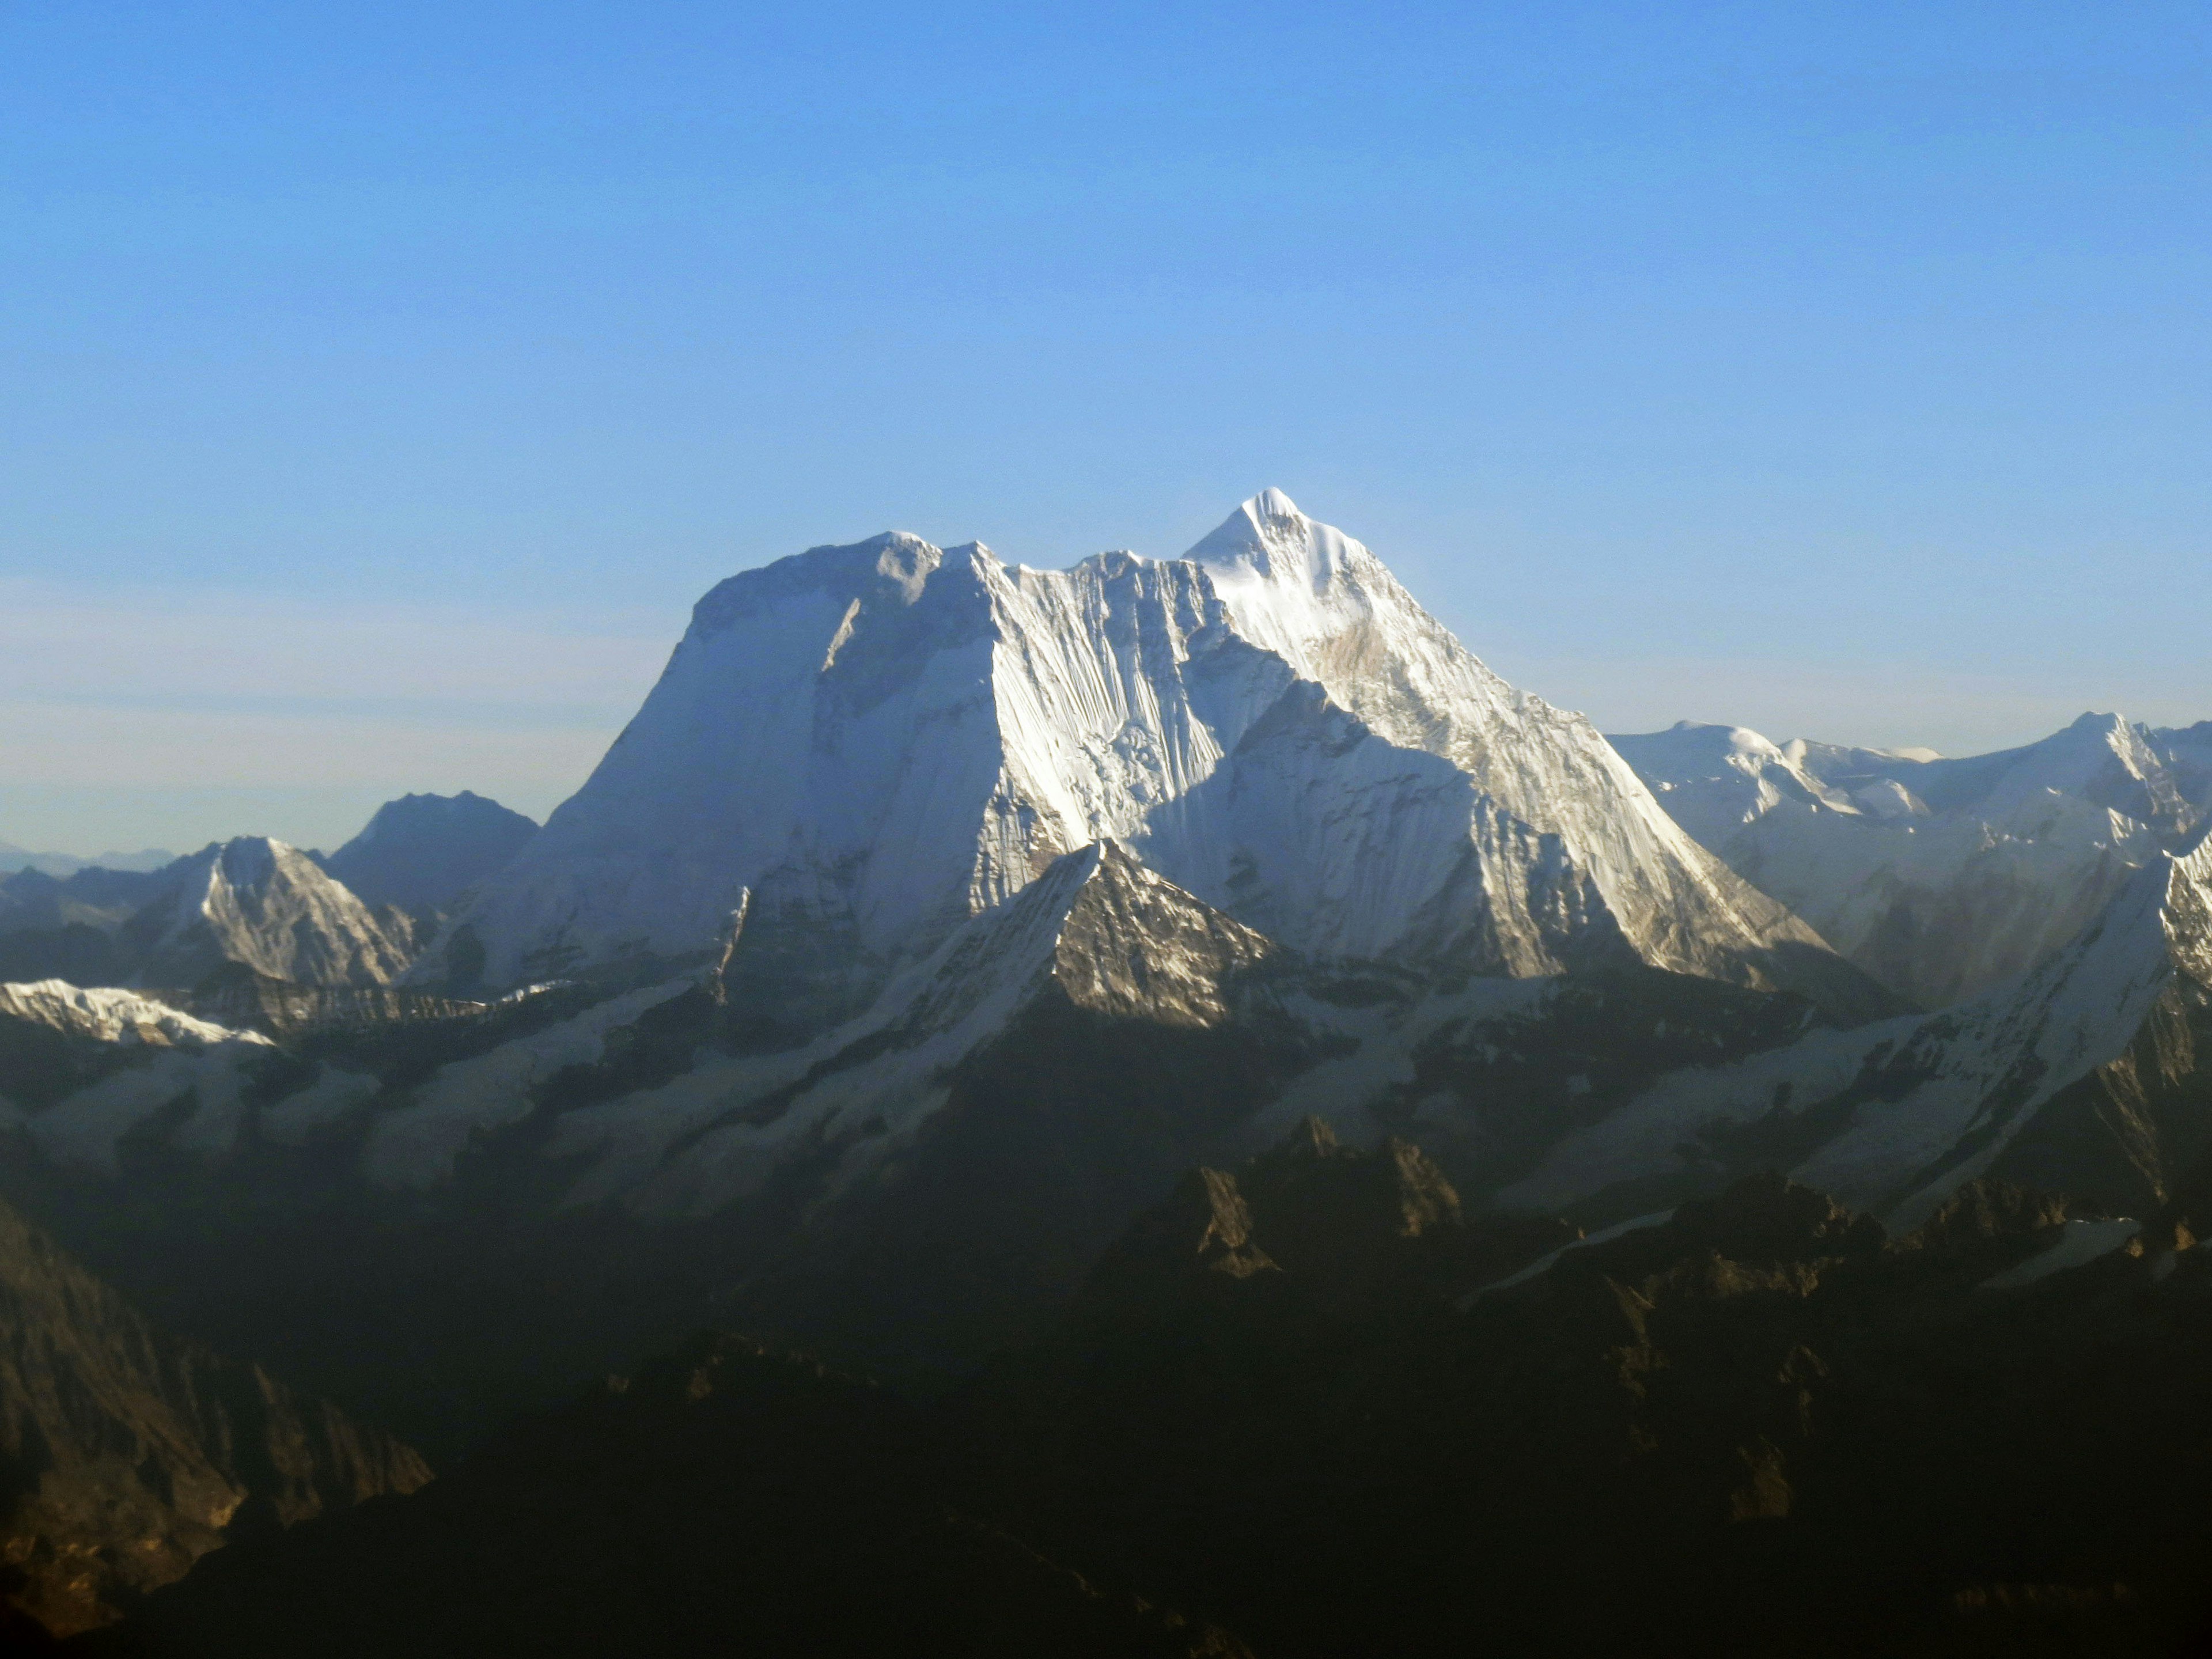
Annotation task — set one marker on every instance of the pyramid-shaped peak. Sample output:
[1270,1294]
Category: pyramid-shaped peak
[1268,541]
[258,900]
[1134,945]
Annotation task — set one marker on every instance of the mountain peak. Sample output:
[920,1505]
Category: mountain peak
[1266,539]
[267,904]
[425,850]
[876,743]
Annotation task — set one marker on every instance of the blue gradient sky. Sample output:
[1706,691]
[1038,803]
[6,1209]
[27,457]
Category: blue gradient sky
[379,385]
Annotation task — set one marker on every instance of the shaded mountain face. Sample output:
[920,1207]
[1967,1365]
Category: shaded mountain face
[124,1455]
[424,852]
[2083,1074]
[264,905]
[66,926]
[1939,877]
[924,1181]
[1761,1427]
[733,1494]
[860,748]
[1309,1400]
[100,898]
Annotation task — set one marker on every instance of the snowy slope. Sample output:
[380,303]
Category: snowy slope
[145,1059]
[1097,929]
[1329,608]
[1893,1116]
[103,1015]
[1941,877]
[2101,759]
[2186,753]
[863,746]
[263,904]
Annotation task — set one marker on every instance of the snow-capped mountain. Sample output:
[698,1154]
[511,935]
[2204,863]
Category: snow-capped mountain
[2081,1075]
[861,747]
[1096,932]
[1940,877]
[423,852]
[102,1014]
[2187,756]
[263,904]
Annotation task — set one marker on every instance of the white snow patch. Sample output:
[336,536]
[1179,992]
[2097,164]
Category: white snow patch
[2078,1244]
[1544,1264]
[332,1097]
[415,1146]
[104,1014]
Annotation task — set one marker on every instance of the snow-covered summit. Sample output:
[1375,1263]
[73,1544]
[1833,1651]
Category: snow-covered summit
[267,905]
[861,747]
[2101,759]
[1939,876]
[1713,780]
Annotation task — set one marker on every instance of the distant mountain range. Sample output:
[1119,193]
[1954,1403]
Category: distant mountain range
[935,918]
[354,917]
[13,858]
[1939,877]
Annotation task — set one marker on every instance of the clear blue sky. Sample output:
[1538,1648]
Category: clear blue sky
[379,385]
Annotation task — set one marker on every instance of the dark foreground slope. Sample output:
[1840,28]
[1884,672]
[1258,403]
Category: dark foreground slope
[124,1455]
[733,1498]
[1762,1427]
[1309,1402]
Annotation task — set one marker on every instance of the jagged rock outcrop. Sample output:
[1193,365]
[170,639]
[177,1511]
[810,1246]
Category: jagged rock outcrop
[1760,1426]
[125,1457]
[263,905]
[1345,1225]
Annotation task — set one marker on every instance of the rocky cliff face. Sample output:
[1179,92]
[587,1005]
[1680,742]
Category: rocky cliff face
[264,905]
[732,1492]
[125,1457]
